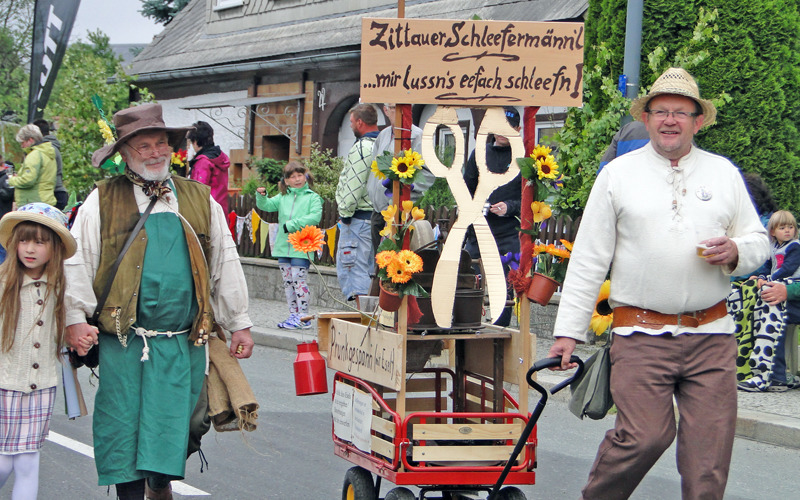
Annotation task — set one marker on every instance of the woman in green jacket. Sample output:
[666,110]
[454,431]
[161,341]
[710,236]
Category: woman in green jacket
[297,206]
[35,179]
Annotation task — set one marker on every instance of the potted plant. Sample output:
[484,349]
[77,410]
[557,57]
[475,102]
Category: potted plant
[550,267]
[396,263]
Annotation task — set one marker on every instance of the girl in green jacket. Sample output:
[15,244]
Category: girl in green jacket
[297,206]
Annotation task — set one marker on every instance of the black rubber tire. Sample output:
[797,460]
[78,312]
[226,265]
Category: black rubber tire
[400,493]
[358,485]
[512,493]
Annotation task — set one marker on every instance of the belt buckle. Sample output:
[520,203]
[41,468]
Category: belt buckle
[694,323]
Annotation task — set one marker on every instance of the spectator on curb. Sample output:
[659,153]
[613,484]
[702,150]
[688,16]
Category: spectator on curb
[35,180]
[210,164]
[60,192]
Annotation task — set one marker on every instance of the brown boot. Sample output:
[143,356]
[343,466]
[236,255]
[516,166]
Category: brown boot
[161,494]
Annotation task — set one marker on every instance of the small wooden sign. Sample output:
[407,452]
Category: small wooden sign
[369,353]
[471,63]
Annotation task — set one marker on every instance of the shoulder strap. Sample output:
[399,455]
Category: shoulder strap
[101,301]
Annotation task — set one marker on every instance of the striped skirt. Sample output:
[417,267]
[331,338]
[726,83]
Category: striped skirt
[24,419]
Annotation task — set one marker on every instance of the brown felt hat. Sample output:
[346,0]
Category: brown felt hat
[136,120]
[676,81]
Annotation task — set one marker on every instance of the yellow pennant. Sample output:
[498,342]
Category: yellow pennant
[331,234]
[255,222]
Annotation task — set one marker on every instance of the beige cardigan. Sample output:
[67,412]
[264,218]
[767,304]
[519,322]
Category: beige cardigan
[32,362]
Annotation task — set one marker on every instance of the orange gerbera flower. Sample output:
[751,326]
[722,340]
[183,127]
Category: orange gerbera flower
[567,244]
[411,261]
[384,258]
[397,272]
[308,239]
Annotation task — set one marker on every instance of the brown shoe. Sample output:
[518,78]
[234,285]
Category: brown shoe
[161,494]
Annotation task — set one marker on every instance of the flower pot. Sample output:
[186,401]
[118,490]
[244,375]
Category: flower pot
[388,300]
[467,308]
[309,370]
[542,288]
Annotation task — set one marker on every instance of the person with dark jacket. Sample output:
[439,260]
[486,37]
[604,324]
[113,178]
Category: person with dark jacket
[6,197]
[60,192]
[209,165]
[502,207]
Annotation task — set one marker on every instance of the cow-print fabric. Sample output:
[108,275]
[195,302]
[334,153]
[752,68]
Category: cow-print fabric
[758,328]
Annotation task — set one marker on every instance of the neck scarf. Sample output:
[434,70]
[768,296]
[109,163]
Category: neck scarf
[152,189]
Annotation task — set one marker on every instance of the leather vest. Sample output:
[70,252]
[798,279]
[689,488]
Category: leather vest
[119,214]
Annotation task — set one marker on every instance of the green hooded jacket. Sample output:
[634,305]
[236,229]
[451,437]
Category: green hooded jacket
[298,208]
[35,180]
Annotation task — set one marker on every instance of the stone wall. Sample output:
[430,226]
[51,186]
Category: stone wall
[264,282]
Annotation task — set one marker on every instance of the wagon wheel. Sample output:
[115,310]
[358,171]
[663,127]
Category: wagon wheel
[511,493]
[400,494]
[358,485]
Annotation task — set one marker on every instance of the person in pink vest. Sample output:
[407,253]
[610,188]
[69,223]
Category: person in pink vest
[210,164]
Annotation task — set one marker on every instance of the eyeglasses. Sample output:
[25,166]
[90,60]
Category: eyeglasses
[147,150]
[660,114]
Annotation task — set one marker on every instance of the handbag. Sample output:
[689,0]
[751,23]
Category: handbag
[591,392]
[92,358]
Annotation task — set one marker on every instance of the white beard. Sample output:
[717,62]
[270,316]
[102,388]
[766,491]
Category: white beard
[148,170]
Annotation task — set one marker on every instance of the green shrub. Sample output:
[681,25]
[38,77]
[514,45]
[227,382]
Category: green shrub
[325,166]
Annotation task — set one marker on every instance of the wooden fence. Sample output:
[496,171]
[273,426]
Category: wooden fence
[562,227]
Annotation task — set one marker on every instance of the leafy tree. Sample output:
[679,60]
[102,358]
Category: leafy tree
[162,11]
[89,68]
[588,130]
[16,31]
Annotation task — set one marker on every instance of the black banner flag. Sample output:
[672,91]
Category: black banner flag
[52,24]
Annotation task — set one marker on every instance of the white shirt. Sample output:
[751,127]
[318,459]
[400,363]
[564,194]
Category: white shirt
[641,215]
[229,298]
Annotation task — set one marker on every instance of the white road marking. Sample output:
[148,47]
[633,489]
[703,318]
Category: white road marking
[178,487]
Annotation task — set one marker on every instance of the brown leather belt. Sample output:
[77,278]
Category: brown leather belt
[636,316]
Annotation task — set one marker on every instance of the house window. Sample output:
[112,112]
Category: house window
[227,4]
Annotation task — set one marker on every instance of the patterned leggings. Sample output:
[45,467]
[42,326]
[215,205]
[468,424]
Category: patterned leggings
[295,287]
[759,327]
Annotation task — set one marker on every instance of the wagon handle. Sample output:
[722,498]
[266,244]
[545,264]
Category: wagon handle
[537,412]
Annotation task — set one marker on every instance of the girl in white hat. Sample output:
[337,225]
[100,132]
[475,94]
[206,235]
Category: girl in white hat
[31,336]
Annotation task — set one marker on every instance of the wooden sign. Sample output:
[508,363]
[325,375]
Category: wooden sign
[469,63]
[371,354]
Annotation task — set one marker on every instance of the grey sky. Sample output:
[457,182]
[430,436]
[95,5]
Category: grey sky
[119,19]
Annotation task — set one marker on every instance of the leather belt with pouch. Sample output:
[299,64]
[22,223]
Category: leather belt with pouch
[636,316]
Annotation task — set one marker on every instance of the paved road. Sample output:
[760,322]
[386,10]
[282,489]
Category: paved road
[290,456]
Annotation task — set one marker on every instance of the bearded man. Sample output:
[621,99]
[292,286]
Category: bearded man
[177,276]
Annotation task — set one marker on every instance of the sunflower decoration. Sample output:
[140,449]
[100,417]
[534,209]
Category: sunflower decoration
[307,240]
[403,167]
[548,168]
[603,315]
[377,172]
[397,264]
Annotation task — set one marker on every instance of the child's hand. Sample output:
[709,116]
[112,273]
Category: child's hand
[262,191]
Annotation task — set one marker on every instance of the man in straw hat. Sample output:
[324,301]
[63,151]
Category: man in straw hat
[179,276]
[669,280]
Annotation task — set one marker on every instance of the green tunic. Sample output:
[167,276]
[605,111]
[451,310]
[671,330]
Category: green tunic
[142,408]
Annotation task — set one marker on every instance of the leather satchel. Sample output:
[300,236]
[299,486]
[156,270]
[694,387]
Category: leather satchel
[591,393]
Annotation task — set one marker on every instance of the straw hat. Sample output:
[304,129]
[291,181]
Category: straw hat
[135,120]
[676,81]
[43,214]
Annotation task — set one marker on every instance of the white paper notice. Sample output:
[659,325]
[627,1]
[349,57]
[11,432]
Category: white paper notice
[342,412]
[362,420]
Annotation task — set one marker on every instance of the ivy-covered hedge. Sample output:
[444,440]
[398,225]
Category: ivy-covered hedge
[755,60]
